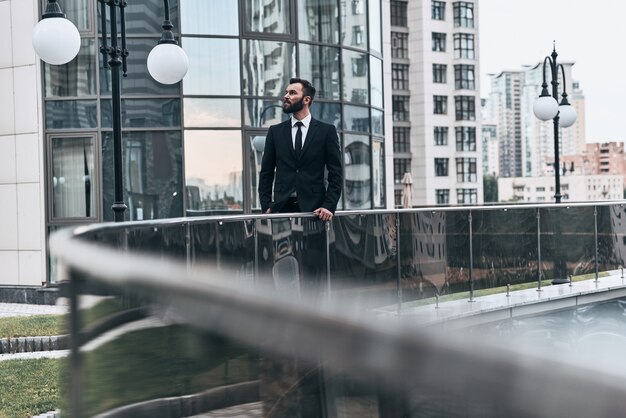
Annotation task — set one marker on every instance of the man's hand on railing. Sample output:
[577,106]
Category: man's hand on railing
[323,214]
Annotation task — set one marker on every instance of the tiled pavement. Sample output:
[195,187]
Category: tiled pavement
[23,309]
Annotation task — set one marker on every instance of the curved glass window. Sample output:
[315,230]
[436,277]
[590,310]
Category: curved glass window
[378,173]
[354,24]
[268,16]
[267,67]
[378,122]
[140,21]
[375,26]
[327,112]
[138,81]
[207,113]
[263,113]
[357,174]
[144,113]
[356,118]
[213,66]
[152,172]
[214,179]
[355,80]
[71,114]
[77,77]
[318,21]
[320,65]
[376,77]
[209,17]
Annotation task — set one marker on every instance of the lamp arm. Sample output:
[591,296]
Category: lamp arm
[564,95]
[168,36]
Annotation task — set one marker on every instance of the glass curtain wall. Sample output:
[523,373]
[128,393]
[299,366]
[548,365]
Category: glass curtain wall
[242,54]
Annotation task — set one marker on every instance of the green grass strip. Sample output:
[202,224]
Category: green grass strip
[32,326]
[29,387]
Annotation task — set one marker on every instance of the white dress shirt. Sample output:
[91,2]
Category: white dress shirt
[304,128]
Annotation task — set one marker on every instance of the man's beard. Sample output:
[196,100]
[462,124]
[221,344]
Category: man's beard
[293,107]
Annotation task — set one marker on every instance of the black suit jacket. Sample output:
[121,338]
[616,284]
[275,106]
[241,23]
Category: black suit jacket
[281,168]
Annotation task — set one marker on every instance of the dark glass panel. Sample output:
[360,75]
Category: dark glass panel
[267,67]
[144,113]
[152,174]
[611,236]
[357,176]
[505,247]
[318,21]
[138,80]
[364,260]
[71,114]
[376,85]
[567,241]
[236,240]
[76,78]
[320,65]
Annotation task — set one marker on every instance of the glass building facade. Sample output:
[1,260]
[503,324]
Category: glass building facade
[196,147]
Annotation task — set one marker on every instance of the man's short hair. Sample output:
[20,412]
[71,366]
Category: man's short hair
[307,87]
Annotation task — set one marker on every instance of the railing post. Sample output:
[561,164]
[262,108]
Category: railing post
[188,246]
[471,266]
[595,236]
[76,373]
[327,230]
[218,261]
[538,250]
[256,251]
[399,269]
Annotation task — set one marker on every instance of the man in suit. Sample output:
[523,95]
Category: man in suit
[296,153]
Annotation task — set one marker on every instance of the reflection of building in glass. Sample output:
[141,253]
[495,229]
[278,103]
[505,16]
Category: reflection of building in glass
[188,147]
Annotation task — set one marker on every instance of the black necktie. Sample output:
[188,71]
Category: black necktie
[299,139]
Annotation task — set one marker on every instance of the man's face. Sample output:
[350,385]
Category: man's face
[294,99]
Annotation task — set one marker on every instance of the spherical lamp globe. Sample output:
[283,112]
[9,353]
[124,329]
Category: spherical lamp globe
[167,63]
[56,40]
[545,108]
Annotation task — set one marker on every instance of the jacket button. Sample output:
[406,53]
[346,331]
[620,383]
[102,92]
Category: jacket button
[297,171]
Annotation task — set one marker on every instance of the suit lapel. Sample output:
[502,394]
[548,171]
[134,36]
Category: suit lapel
[310,136]
[288,140]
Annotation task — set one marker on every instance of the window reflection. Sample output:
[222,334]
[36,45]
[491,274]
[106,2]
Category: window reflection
[377,122]
[378,174]
[71,114]
[354,26]
[140,22]
[357,187]
[138,81]
[256,142]
[77,77]
[144,113]
[327,112]
[74,177]
[209,17]
[200,113]
[271,16]
[320,65]
[356,118]
[263,113]
[355,77]
[375,25]
[152,172]
[318,21]
[213,66]
[214,170]
[267,67]
[376,77]
[79,13]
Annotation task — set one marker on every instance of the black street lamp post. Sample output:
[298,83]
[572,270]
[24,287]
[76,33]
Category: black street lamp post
[57,41]
[547,107]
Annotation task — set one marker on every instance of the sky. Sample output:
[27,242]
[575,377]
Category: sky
[591,33]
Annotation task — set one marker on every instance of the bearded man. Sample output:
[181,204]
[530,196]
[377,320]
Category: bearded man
[296,154]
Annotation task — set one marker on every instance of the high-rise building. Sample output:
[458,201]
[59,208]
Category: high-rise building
[436,108]
[192,147]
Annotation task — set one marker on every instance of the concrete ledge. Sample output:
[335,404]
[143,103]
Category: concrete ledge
[33,344]
[34,295]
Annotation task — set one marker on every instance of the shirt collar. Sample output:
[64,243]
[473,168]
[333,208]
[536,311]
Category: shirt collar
[306,121]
